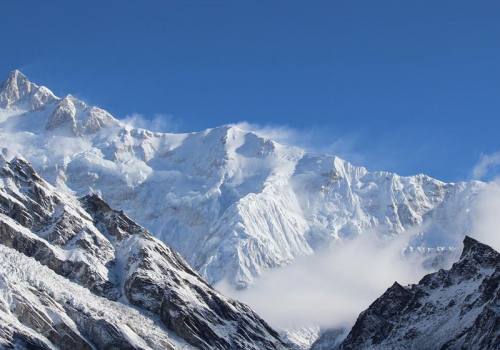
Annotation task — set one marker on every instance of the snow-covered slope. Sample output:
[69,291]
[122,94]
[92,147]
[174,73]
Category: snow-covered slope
[42,310]
[450,309]
[232,202]
[98,264]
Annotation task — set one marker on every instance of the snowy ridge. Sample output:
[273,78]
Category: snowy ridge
[450,309]
[116,264]
[232,202]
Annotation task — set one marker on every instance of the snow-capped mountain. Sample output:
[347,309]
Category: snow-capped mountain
[457,308]
[231,201]
[76,274]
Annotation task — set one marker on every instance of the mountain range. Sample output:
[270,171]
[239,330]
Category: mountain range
[234,203]
[101,221]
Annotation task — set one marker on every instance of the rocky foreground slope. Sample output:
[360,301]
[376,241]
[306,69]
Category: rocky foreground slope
[76,274]
[233,202]
[450,309]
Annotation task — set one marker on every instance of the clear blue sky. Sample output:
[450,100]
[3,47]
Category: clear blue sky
[413,86]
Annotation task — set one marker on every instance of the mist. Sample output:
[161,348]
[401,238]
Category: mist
[486,211]
[486,165]
[158,123]
[312,139]
[330,288]
[486,215]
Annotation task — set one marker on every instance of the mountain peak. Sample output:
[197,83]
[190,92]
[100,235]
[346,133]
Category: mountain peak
[16,80]
[17,87]
[479,252]
[14,88]
[470,244]
[16,74]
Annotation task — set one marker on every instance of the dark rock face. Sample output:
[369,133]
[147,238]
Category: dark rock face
[101,249]
[454,309]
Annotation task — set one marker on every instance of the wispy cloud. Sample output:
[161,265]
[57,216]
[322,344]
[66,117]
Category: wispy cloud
[331,287]
[486,209]
[486,164]
[158,122]
[486,223]
[317,140]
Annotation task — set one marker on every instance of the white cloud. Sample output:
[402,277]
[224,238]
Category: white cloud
[279,133]
[332,287]
[158,123]
[311,139]
[486,163]
[486,209]
[486,214]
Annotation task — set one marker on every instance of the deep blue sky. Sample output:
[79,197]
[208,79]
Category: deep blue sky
[411,86]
